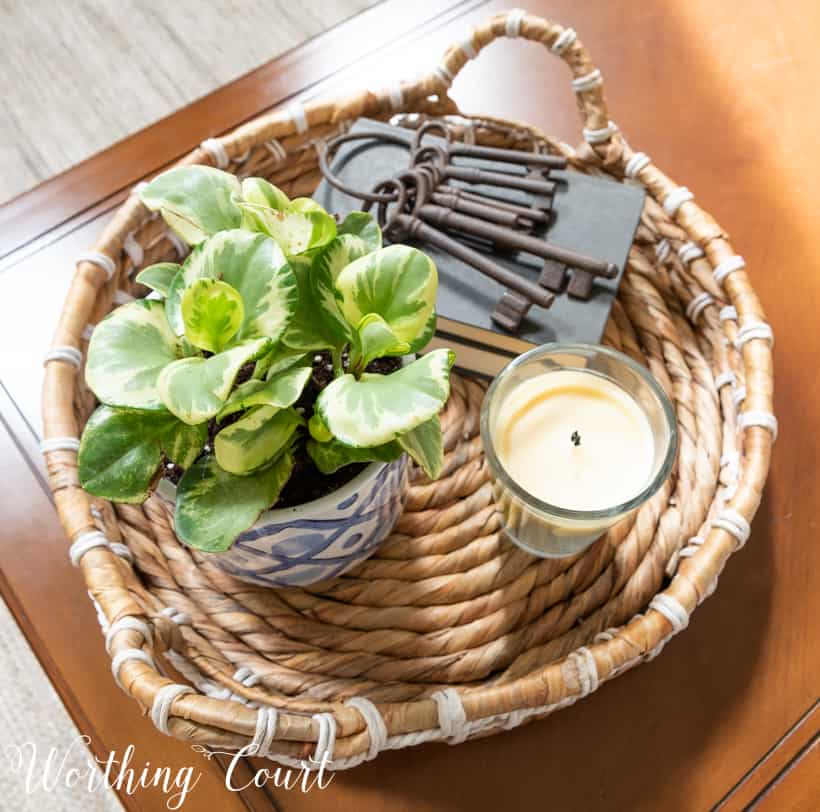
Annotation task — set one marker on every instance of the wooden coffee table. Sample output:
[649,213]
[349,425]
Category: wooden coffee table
[724,98]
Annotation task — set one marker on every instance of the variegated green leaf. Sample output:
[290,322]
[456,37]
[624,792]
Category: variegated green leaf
[213,506]
[256,268]
[362,225]
[426,334]
[295,231]
[127,352]
[212,312]
[195,201]
[192,269]
[255,439]
[121,451]
[376,409]
[182,443]
[397,283]
[280,391]
[195,389]
[326,300]
[423,444]
[318,429]
[374,339]
[280,358]
[329,457]
[261,192]
[318,323]
[158,277]
[304,204]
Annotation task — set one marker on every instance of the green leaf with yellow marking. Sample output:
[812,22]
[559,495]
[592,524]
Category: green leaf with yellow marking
[158,277]
[128,351]
[195,389]
[212,312]
[423,444]
[398,283]
[376,409]
[280,391]
[213,506]
[121,451]
[255,439]
[195,201]
[333,455]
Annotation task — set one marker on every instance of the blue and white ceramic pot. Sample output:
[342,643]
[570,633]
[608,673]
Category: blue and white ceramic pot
[320,539]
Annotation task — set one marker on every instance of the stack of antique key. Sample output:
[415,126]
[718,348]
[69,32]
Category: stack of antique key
[422,204]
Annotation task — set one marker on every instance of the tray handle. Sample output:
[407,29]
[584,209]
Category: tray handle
[587,82]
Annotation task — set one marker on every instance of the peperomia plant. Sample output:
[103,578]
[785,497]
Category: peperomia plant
[206,372]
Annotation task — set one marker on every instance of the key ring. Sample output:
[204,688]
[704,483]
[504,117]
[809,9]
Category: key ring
[329,152]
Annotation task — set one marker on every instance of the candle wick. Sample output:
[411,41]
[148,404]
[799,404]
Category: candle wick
[576,438]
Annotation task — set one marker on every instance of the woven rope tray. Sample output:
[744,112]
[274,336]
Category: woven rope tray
[448,632]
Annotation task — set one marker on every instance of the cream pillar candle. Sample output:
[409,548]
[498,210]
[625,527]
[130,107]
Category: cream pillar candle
[575,437]
[575,440]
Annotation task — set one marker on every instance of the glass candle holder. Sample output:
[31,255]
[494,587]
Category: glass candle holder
[576,437]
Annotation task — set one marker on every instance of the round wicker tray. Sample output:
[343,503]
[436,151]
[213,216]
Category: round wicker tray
[449,632]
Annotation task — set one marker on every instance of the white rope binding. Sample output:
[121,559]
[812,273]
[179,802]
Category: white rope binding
[176,616]
[728,313]
[512,28]
[689,251]
[698,304]
[730,265]
[376,728]
[672,610]
[276,149]
[326,742]
[59,444]
[296,113]
[564,40]
[724,379]
[127,623]
[452,720]
[266,722]
[586,668]
[214,148]
[675,199]
[587,81]
[638,162]
[599,136]
[691,548]
[85,542]
[100,260]
[467,46]
[442,72]
[161,707]
[735,524]
[133,249]
[738,396]
[71,355]
[129,654]
[754,330]
[754,417]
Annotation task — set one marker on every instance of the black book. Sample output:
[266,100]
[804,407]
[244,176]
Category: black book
[591,215]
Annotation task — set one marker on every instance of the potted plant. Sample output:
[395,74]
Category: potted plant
[266,385]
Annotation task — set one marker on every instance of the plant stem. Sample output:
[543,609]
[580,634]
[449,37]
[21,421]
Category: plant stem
[336,356]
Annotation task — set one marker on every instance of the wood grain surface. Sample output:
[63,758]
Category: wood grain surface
[721,97]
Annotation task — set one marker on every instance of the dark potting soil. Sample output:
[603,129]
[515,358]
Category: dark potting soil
[306,482]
